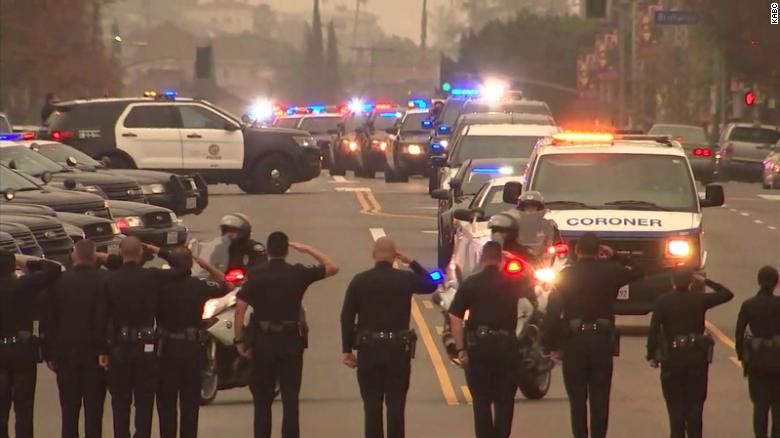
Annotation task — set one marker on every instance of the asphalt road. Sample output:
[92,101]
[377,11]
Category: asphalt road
[343,216]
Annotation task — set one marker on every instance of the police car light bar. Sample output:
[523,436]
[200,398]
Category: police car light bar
[583,137]
[384,106]
[464,92]
[418,103]
[316,108]
[506,170]
[395,114]
[9,137]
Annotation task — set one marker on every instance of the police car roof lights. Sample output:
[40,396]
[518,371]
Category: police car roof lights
[395,114]
[492,90]
[11,136]
[570,137]
[418,103]
[464,92]
[316,108]
[261,109]
[506,170]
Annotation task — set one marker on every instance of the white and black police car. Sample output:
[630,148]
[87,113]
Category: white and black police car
[164,132]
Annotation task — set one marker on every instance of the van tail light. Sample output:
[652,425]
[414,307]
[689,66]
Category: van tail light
[558,249]
[62,135]
[702,152]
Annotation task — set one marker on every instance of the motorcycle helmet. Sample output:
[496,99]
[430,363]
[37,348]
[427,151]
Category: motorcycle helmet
[503,228]
[236,221]
[531,198]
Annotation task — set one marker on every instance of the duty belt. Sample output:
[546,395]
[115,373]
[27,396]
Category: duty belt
[190,334]
[279,327]
[407,338]
[693,340]
[601,325]
[21,338]
[757,343]
[483,333]
[129,335]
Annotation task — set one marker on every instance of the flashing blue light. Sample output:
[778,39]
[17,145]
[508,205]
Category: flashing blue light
[427,123]
[437,276]
[418,103]
[170,93]
[443,129]
[391,114]
[488,170]
[437,147]
[316,108]
[14,136]
[291,111]
[367,106]
[465,92]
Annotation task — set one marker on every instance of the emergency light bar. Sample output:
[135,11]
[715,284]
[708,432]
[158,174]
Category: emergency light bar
[395,114]
[9,137]
[384,106]
[582,137]
[418,103]
[493,170]
[316,108]
[464,92]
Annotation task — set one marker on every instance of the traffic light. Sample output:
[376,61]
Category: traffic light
[596,8]
[750,98]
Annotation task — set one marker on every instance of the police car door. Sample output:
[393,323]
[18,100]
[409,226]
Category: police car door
[210,141]
[149,133]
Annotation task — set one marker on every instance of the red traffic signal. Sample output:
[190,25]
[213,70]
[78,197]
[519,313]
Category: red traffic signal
[750,98]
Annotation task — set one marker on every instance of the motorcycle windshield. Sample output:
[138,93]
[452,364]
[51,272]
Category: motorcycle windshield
[534,231]
[216,252]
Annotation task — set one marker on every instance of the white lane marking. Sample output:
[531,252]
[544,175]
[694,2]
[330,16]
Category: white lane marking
[376,233]
[771,227]
[758,221]
[733,210]
[339,179]
[427,207]
[745,214]
[353,189]
[430,232]
[770,197]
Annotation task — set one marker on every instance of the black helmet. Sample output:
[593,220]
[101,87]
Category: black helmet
[530,197]
[236,221]
[502,222]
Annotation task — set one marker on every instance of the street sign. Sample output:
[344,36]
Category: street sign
[675,17]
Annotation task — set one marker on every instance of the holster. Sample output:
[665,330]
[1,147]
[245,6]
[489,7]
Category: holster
[763,354]
[684,348]
[601,326]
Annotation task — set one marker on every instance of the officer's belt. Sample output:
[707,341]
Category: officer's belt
[692,340]
[483,331]
[757,343]
[190,334]
[279,327]
[20,338]
[364,336]
[129,335]
[601,325]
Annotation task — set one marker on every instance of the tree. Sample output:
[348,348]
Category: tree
[333,80]
[315,58]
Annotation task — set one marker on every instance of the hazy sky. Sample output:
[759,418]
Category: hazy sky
[397,17]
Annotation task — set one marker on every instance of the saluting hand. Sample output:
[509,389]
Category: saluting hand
[349,360]
[300,247]
[403,257]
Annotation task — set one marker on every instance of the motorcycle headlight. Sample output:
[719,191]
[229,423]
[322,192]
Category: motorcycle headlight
[210,308]
[545,275]
[153,189]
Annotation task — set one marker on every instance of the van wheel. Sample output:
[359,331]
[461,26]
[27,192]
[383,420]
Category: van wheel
[272,175]
[247,187]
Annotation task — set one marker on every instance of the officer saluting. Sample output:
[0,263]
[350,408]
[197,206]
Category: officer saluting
[380,299]
[677,338]
[18,349]
[580,328]
[275,292]
[128,310]
[760,352]
[74,344]
[183,341]
[488,348]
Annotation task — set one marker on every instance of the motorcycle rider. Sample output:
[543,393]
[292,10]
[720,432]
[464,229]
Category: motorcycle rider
[243,251]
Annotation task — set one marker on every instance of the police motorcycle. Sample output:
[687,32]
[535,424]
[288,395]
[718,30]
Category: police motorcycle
[531,247]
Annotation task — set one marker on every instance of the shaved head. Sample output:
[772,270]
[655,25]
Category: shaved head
[84,252]
[131,249]
[384,250]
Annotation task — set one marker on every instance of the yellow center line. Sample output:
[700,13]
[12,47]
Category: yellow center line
[369,205]
[718,333]
[364,206]
[466,394]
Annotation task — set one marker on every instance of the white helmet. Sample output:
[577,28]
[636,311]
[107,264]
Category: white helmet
[238,221]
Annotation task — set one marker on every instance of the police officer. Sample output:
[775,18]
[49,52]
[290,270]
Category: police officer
[760,352]
[128,309]
[18,346]
[275,291]
[183,339]
[74,344]
[580,328]
[243,250]
[677,340]
[380,299]
[488,349]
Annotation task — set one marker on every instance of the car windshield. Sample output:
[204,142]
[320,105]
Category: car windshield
[493,146]
[12,180]
[683,134]
[385,120]
[413,123]
[615,181]
[60,153]
[494,202]
[287,122]
[23,159]
[754,135]
[514,106]
[320,125]
[355,121]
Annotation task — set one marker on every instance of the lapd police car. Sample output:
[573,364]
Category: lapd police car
[637,193]
[407,147]
[180,135]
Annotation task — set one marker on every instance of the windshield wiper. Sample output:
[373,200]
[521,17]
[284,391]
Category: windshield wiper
[571,203]
[629,203]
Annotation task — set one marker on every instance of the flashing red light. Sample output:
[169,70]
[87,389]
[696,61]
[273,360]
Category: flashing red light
[122,223]
[342,109]
[701,152]
[28,136]
[384,106]
[679,138]
[62,135]
[558,249]
[235,275]
[514,267]
[750,98]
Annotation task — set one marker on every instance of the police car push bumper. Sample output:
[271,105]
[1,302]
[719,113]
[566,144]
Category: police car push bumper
[655,241]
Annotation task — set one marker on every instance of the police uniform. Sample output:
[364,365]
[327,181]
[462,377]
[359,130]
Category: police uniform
[490,297]
[677,338]
[760,355]
[182,352]
[128,309]
[580,322]
[18,348]
[244,253]
[380,299]
[73,344]
[275,291]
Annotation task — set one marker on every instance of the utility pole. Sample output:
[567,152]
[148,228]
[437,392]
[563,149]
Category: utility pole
[423,32]
[625,18]
[355,24]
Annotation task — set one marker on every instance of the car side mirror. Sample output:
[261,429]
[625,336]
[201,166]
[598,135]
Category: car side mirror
[512,191]
[46,177]
[9,194]
[439,160]
[464,214]
[440,194]
[713,196]
[69,184]
[71,161]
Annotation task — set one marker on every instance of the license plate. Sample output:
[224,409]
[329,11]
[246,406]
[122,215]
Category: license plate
[192,202]
[623,293]
[173,237]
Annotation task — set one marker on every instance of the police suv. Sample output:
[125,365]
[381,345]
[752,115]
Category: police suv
[164,132]
[637,193]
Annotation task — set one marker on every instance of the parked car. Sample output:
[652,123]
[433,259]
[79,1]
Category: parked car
[744,148]
[702,155]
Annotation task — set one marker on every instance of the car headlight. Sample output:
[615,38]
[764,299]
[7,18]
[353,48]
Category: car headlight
[174,219]
[129,222]
[153,189]
[210,308]
[304,141]
[678,248]
[414,149]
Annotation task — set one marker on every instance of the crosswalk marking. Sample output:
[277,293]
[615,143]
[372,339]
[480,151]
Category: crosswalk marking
[770,197]
[353,189]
